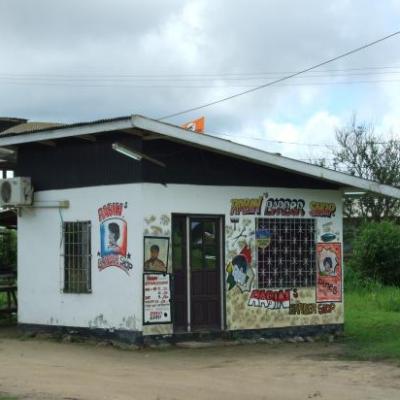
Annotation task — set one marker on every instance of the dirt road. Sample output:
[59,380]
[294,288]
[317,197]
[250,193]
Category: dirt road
[38,369]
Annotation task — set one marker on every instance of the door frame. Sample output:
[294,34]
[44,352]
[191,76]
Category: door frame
[221,219]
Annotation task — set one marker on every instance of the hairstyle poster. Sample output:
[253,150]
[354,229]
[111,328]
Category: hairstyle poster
[329,272]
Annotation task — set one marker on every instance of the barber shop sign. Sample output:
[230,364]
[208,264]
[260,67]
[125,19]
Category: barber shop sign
[113,237]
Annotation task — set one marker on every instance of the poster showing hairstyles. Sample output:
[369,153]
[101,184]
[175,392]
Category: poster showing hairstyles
[156,254]
[329,272]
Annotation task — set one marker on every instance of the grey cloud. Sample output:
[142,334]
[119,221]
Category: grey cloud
[185,37]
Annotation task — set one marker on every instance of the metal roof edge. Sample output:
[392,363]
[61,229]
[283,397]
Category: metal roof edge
[65,131]
[204,141]
[263,157]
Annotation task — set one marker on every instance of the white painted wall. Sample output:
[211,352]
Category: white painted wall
[116,298]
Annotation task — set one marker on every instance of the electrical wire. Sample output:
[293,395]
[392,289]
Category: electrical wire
[152,86]
[270,140]
[346,54]
[68,79]
[182,75]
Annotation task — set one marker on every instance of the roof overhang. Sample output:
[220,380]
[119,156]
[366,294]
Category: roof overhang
[66,131]
[208,142]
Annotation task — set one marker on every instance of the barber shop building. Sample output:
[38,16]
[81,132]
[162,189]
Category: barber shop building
[133,227]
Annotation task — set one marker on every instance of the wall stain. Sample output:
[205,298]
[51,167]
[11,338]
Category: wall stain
[98,322]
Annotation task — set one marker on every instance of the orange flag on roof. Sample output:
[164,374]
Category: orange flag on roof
[197,125]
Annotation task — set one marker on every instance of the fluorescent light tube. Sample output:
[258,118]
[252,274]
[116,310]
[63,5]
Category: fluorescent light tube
[126,151]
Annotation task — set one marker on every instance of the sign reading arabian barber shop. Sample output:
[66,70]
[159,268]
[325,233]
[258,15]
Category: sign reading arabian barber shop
[113,237]
[271,206]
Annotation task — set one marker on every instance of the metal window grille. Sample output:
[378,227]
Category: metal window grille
[289,259]
[77,257]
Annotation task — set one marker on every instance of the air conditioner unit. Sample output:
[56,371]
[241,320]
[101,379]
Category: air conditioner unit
[16,192]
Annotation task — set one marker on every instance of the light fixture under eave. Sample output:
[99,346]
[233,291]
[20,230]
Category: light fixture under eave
[126,151]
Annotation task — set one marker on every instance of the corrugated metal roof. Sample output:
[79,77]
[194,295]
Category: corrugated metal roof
[9,122]
[32,127]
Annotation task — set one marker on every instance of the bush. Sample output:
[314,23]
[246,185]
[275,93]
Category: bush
[376,253]
[354,280]
[8,248]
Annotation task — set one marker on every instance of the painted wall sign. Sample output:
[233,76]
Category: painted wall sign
[326,308]
[239,271]
[272,206]
[156,298]
[113,237]
[329,272]
[270,299]
[329,232]
[302,308]
[310,308]
[284,207]
[246,206]
[328,237]
[322,209]
[263,238]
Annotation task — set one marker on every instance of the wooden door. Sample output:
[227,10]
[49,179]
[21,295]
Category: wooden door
[196,261]
[205,271]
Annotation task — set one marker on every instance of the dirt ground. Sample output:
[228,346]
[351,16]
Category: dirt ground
[40,369]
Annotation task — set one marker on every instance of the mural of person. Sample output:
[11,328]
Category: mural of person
[113,237]
[328,263]
[240,272]
[154,263]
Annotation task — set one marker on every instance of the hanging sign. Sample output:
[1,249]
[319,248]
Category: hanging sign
[156,298]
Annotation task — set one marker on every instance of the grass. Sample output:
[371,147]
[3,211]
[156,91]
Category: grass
[372,321]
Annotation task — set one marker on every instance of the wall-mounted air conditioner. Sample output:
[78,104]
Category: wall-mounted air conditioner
[16,192]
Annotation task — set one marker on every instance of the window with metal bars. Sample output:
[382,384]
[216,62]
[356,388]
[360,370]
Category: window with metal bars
[77,257]
[289,259]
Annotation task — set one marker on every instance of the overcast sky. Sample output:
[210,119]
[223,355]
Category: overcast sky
[80,60]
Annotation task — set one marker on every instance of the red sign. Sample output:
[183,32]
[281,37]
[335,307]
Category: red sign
[329,272]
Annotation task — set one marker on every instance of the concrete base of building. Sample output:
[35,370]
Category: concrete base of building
[296,333]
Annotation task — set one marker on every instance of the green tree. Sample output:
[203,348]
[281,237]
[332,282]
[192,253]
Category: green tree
[363,153]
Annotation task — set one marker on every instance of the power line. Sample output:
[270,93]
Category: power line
[110,78]
[180,75]
[326,145]
[208,86]
[271,140]
[281,79]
